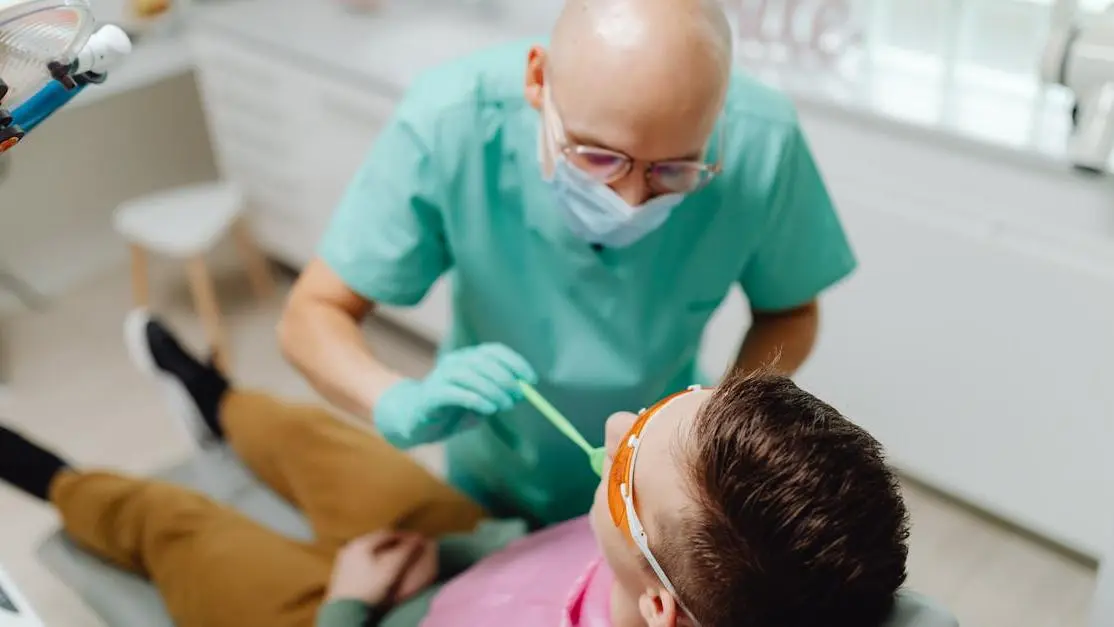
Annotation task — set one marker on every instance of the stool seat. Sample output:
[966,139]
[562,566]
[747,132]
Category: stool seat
[181,222]
[186,223]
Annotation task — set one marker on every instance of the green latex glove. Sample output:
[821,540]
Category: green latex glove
[467,385]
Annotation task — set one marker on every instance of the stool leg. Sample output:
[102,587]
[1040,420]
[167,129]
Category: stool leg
[205,299]
[140,287]
[259,273]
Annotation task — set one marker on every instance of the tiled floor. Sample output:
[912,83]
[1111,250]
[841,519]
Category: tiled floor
[70,385]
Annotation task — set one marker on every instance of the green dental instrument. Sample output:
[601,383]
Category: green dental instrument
[596,456]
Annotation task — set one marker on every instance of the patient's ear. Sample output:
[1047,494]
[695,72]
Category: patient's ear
[658,608]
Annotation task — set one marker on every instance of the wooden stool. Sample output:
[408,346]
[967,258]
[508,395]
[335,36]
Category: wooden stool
[186,223]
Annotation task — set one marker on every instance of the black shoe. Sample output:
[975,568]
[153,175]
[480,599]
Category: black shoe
[27,465]
[195,388]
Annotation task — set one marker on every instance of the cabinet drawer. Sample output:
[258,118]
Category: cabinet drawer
[265,147]
[225,96]
[348,120]
[234,78]
[363,111]
[235,61]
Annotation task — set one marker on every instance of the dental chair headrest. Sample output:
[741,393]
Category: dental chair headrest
[915,610]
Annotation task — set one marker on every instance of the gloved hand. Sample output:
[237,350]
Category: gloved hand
[467,383]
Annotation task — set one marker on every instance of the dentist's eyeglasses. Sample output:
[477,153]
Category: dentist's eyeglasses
[663,177]
[676,176]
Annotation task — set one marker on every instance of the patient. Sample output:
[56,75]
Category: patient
[751,505]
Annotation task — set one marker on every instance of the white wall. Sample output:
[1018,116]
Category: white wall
[977,339]
[68,176]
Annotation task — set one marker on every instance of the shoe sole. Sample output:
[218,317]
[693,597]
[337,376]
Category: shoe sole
[181,403]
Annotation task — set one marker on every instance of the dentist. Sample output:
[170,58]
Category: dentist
[593,215]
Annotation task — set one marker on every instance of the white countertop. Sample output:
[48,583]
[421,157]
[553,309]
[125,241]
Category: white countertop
[1024,124]
[152,60]
[386,49]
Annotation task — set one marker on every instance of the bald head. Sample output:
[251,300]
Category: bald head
[647,78]
[692,33]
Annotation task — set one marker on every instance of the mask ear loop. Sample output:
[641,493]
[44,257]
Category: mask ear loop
[551,130]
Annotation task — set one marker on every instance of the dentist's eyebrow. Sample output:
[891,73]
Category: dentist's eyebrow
[578,139]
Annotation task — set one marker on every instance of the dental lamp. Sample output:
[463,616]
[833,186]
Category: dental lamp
[50,51]
[1080,56]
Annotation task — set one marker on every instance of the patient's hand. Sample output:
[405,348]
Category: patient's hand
[383,568]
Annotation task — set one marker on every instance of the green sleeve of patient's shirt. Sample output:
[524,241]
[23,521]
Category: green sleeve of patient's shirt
[803,249]
[456,553]
[385,239]
[343,613]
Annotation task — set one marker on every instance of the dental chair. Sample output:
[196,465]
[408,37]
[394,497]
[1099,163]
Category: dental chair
[123,600]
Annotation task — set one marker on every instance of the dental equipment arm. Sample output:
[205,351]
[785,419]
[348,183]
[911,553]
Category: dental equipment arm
[1079,55]
[104,51]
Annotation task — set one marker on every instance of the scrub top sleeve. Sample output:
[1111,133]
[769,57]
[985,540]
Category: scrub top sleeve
[386,238]
[804,249]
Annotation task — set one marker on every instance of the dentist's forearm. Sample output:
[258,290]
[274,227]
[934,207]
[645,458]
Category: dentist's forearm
[788,336]
[329,349]
[320,335]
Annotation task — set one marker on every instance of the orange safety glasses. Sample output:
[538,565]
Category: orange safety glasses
[620,491]
[621,477]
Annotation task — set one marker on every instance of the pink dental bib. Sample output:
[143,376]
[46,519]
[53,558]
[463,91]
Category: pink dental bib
[554,578]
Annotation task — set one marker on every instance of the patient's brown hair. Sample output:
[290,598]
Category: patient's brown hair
[799,522]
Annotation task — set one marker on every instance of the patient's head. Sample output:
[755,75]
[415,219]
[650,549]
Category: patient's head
[762,506]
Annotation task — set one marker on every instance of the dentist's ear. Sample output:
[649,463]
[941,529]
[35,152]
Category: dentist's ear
[535,77]
[659,608]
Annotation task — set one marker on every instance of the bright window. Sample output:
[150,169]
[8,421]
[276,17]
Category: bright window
[995,43]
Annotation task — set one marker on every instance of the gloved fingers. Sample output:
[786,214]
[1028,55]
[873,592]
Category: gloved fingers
[492,370]
[498,365]
[455,396]
[487,379]
[513,362]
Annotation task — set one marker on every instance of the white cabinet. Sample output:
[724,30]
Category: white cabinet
[982,359]
[290,136]
[293,138]
[976,340]
[344,124]
[254,122]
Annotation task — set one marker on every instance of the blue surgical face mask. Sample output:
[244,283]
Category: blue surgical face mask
[592,210]
[598,215]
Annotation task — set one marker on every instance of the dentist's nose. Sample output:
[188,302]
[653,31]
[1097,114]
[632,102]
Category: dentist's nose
[633,188]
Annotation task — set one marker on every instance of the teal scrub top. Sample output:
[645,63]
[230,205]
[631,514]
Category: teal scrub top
[453,184]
